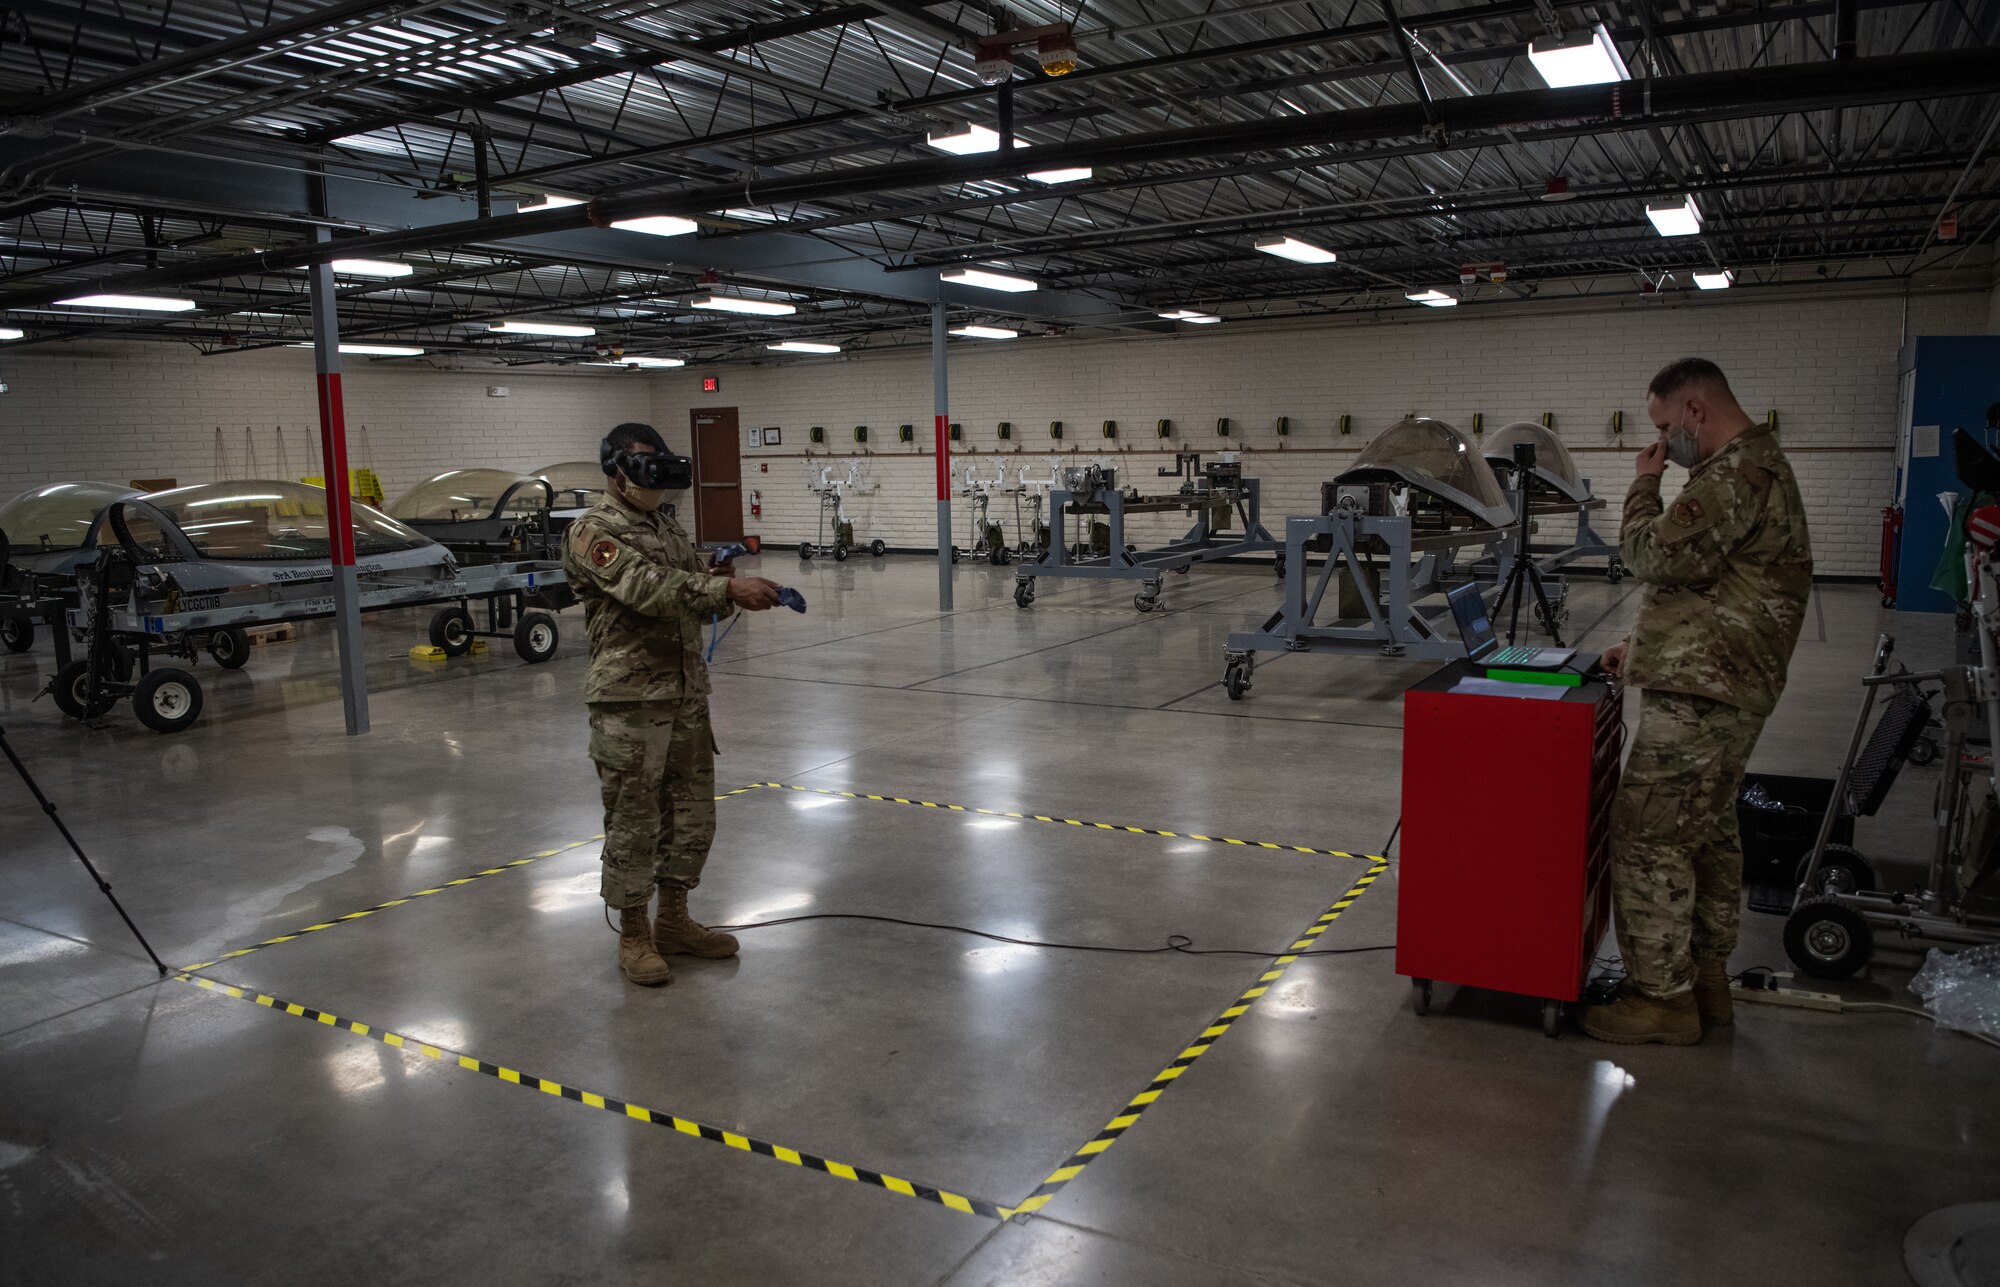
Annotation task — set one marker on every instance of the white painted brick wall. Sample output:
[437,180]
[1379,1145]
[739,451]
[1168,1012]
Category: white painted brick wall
[152,411]
[1828,367]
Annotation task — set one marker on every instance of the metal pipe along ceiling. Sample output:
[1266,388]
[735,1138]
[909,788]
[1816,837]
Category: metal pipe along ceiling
[1748,93]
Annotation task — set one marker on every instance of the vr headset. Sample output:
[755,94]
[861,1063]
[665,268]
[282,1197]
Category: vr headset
[650,470]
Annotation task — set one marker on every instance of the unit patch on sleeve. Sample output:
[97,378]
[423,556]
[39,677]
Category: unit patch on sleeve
[604,553]
[1688,512]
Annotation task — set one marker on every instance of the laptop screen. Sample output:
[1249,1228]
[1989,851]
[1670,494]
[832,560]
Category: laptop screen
[1469,608]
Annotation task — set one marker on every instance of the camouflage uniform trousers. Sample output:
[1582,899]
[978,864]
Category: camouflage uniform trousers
[656,767]
[1676,860]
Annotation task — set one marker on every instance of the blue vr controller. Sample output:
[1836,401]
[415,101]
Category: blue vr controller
[792,599]
[787,597]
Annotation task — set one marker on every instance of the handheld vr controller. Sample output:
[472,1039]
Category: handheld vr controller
[725,553]
[792,599]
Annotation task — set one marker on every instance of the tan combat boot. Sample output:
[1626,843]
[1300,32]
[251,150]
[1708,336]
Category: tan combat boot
[1635,1019]
[676,933]
[1711,994]
[636,956]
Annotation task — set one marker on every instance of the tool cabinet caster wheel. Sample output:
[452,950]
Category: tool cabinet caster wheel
[1888,600]
[451,630]
[1552,1019]
[230,647]
[878,547]
[167,701]
[1236,680]
[536,637]
[840,554]
[1828,939]
[1024,593]
[1420,995]
[18,636]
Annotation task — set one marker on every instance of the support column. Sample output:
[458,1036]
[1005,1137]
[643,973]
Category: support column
[939,403]
[339,499]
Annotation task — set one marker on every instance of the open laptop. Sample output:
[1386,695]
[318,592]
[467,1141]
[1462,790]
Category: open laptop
[1469,607]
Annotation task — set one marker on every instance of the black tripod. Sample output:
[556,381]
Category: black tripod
[49,807]
[1524,569]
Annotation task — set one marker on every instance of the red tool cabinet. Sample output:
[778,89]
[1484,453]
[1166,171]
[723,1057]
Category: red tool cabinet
[1503,878]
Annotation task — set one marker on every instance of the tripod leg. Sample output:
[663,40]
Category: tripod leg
[1548,613]
[103,885]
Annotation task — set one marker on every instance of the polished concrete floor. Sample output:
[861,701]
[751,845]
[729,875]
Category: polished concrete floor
[866,1082]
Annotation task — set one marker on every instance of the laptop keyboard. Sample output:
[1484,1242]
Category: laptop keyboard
[1518,655]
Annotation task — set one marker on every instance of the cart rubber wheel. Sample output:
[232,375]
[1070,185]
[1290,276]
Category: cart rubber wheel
[1420,995]
[230,646]
[167,700]
[805,549]
[878,547]
[1615,572]
[17,635]
[451,630]
[1182,570]
[956,553]
[1924,752]
[1236,680]
[535,637]
[1552,1019]
[1828,939]
[1024,593]
[1279,565]
[72,687]
[840,554]
[997,556]
[1842,870]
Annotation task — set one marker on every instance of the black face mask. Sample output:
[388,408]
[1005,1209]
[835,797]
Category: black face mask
[656,471]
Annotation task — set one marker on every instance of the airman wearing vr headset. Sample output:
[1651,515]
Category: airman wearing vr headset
[647,596]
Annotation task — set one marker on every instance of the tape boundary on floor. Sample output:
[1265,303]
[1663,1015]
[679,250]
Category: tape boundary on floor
[1070,822]
[350,917]
[1134,1108]
[946,1198]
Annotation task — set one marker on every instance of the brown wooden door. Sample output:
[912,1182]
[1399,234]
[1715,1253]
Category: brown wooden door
[718,475]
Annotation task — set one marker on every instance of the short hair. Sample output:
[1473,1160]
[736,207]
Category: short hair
[631,433]
[1676,376]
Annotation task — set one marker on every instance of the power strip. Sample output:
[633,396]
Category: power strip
[1778,994]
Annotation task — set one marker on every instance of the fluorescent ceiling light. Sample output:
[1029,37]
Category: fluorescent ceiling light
[541,328]
[1431,298]
[548,201]
[140,303]
[648,362]
[985,332]
[1675,217]
[1578,58]
[738,304]
[658,225]
[1078,174]
[372,268]
[1717,280]
[973,138]
[1292,248]
[802,346]
[12,333]
[1189,315]
[989,281]
[374,350]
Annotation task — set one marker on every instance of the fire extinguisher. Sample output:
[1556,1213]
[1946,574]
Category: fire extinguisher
[756,504]
[1892,550]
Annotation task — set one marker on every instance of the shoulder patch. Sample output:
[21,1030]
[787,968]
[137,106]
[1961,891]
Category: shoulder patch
[1688,512]
[604,553]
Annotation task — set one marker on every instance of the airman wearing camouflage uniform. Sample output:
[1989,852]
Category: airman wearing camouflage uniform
[1727,569]
[647,597]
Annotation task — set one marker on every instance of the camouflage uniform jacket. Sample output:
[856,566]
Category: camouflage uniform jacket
[1727,569]
[646,600]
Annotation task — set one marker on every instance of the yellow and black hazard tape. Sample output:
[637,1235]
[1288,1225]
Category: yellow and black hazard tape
[1073,822]
[714,1134]
[504,867]
[1127,1116]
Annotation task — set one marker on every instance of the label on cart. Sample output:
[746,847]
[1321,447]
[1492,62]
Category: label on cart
[156,625]
[199,603]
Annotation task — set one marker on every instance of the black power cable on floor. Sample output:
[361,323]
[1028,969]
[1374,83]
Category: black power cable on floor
[1175,942]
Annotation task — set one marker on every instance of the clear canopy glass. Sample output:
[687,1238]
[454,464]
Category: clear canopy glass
[578,483]
[56,516]
[1552,459]
[466,495]
[263,519]
[1437,458]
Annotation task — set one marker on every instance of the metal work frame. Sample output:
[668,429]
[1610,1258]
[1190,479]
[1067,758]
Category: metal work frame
[1202,544]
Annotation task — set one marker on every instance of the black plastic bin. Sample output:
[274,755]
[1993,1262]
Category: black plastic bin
[1774,841]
